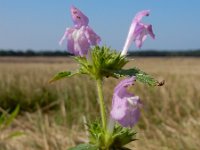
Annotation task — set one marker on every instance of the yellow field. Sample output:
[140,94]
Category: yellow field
[52,115]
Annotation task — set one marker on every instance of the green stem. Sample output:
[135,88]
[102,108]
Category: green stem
[101,103]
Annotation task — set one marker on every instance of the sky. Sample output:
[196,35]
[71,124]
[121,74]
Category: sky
[39,24]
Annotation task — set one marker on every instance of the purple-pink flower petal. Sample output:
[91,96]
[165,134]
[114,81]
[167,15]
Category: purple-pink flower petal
[125,106]
[78,17]
[80,37]
[77,42]
[141,14]
[141,34]
[92,37]
[150,31]
[121,87]
[138,31]
[81,44]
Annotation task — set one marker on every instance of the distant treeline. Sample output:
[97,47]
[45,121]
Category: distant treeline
[153,53]
[33,53]
[146,53]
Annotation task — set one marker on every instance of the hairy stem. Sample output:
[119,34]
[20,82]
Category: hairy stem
[101,103]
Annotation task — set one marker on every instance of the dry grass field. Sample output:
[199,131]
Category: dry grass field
[51,115]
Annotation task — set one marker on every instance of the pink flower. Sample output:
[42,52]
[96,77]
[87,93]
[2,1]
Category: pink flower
[125,106]
[138,31]
[80,37]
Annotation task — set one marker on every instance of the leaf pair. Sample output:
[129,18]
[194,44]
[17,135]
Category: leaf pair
[140,76]
[103,62]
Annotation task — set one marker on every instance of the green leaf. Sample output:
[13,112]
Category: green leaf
[140,76]
[101,59]
[116,141]
[62,75]
[12,116]
[84,147]
[122,136]
[2,119]
[96,133]
[13,135]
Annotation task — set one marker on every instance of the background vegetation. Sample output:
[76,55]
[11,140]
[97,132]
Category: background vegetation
[144,53]
[52,115]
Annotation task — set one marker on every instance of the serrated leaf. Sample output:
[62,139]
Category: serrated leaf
[122,136]
[102,58]
[140,76]
[147,79]
[61,75]
[84,147]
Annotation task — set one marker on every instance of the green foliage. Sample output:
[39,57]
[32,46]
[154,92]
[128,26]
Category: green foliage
[28,98]
[108,63]
[85,66]
[122,136]
[107,140]
[61,75]
[104,62]
[5,121]
[96,134]
[13,135]
[140,76]
[102,59]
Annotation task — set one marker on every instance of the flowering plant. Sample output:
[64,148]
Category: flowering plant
[114,130]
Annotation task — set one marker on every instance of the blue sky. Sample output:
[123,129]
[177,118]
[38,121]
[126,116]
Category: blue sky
[39,24]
